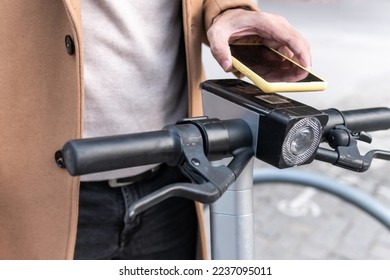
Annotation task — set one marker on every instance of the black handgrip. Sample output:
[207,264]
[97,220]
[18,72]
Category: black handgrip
[85,156]
[370,119]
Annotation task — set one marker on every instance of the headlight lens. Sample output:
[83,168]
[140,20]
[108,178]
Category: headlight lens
[301,141]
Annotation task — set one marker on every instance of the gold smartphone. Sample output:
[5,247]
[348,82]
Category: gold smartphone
[271,71]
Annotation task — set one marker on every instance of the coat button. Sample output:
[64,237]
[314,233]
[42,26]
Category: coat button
[69,44]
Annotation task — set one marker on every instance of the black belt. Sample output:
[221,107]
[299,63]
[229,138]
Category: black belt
[144,176]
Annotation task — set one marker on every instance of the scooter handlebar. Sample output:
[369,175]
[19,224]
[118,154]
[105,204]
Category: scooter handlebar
[219,139]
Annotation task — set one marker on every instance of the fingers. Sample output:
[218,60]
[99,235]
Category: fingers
[239,25]
[226,29]
[280,35]
[219,45]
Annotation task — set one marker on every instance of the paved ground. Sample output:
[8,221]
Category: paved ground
[350,43]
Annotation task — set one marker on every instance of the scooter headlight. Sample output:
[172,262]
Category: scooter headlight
[286,139]
[301,141]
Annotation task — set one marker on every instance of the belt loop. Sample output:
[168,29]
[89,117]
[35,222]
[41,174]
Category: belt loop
[113,183]
[128,181]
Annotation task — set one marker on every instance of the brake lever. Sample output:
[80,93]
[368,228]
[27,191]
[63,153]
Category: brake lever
[346,153]
[208,182]
[380,154]
[205,193]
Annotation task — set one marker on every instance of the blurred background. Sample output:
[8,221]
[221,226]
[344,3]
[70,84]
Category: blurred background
[350,41]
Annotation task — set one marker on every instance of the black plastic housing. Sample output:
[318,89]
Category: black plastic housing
[277,115]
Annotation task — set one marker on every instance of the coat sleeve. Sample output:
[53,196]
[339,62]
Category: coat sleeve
[213,8]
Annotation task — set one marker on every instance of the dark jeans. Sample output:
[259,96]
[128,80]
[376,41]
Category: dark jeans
[165,231]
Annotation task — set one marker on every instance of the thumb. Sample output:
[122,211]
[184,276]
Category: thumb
[219,46]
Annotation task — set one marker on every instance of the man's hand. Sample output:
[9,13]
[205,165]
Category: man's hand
[239,25]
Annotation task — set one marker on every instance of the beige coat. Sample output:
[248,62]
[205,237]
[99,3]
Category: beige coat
[41,104]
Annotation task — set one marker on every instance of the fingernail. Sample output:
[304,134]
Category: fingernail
[226,65]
